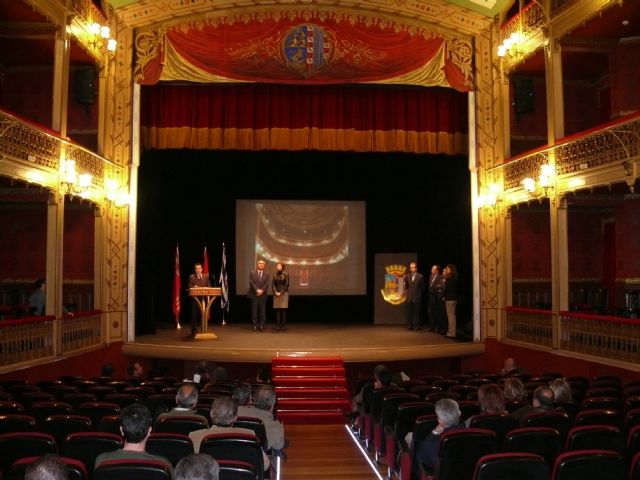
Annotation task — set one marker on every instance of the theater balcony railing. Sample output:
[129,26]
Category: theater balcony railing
[601,336]
[529,325]
[37,340]
[600,156]
[36,155]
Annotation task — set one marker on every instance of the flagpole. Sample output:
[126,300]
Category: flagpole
[224,285]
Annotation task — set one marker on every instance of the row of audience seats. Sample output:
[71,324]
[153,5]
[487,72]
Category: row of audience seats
[55,417]
[595,421]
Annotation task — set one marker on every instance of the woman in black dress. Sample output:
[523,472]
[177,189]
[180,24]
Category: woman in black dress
[280,286]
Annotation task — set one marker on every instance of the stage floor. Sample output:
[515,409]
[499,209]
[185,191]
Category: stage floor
[354,343]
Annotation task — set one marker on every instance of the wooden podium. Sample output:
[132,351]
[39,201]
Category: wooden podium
[205,297]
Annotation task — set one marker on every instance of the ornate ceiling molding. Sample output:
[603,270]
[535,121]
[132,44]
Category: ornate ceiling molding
[153,13]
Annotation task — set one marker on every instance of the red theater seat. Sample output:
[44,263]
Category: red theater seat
[132,470]
[509,466]
[589,465]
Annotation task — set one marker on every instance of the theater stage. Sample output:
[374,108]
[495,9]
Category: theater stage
[354,343]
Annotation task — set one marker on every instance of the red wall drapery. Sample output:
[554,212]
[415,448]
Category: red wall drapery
[340,118]
[310,47]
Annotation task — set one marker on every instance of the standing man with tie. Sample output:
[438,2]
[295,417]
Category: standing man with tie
[197,279]
[259,282]
[414,286]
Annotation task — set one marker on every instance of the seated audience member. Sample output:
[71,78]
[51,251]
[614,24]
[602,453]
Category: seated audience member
[202,374]
[561,390]
[242,396]
[186,401]
[263,403]
[107,370]
[219,375]
[264,376]
[224,413]
[47,467]
[358,400]
[448,414]
[197,466]
[135,370]
[543,400]
[514,390]
[135,425]
[509,368]
[491,399]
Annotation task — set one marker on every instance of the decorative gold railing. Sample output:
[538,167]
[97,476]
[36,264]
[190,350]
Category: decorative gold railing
[37,148]
[529,325]
[32,339]
[615,143]
[26,339]
[81,330]
[601,336]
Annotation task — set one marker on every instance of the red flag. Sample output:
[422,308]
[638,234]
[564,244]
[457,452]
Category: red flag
[205,262]
[176,288]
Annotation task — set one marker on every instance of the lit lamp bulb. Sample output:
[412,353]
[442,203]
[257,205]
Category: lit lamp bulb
[516,37]
[529,184]
[502,51]
[111,189]
[112,44]
[122,199]
[105,32]
[94,28]
[507,43]
[70,175]
[84,180]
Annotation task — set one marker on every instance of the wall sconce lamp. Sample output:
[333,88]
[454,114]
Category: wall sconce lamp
[101,38]
[544,185]
[510,45]
[73,183]
[491,197]
[115,194]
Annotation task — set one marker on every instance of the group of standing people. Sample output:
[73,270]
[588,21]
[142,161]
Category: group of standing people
[442,291]
[260,282]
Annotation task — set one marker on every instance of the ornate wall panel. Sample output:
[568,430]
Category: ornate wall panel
[117,147]
[489,151]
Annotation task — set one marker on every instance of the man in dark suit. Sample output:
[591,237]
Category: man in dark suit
[197,279]
[414,286]
[434,307]
[259,282]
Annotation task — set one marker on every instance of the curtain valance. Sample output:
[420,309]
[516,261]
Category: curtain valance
[304,47]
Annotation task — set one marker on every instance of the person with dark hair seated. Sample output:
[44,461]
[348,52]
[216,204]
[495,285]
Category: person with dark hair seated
[135,425]
[197,466]
[186,401]
[47,467]
[543,401]
[135,370]
[107,370]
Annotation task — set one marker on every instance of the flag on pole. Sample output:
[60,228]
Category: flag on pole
[224,285]
[205,262]
[176,288]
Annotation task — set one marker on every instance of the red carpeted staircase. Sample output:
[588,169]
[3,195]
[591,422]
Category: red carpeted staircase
[310,390]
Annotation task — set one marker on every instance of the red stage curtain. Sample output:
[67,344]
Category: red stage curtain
[305,48]
[338,118]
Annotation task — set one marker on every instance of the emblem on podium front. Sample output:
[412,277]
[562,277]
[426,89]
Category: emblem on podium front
[393,291]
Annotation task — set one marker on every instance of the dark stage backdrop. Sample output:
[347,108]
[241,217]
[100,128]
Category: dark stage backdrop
[417,203]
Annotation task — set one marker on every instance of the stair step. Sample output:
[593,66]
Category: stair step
[313,404]
[302,392]
[311,370]
[312,417]
[311,382]
[324,361]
